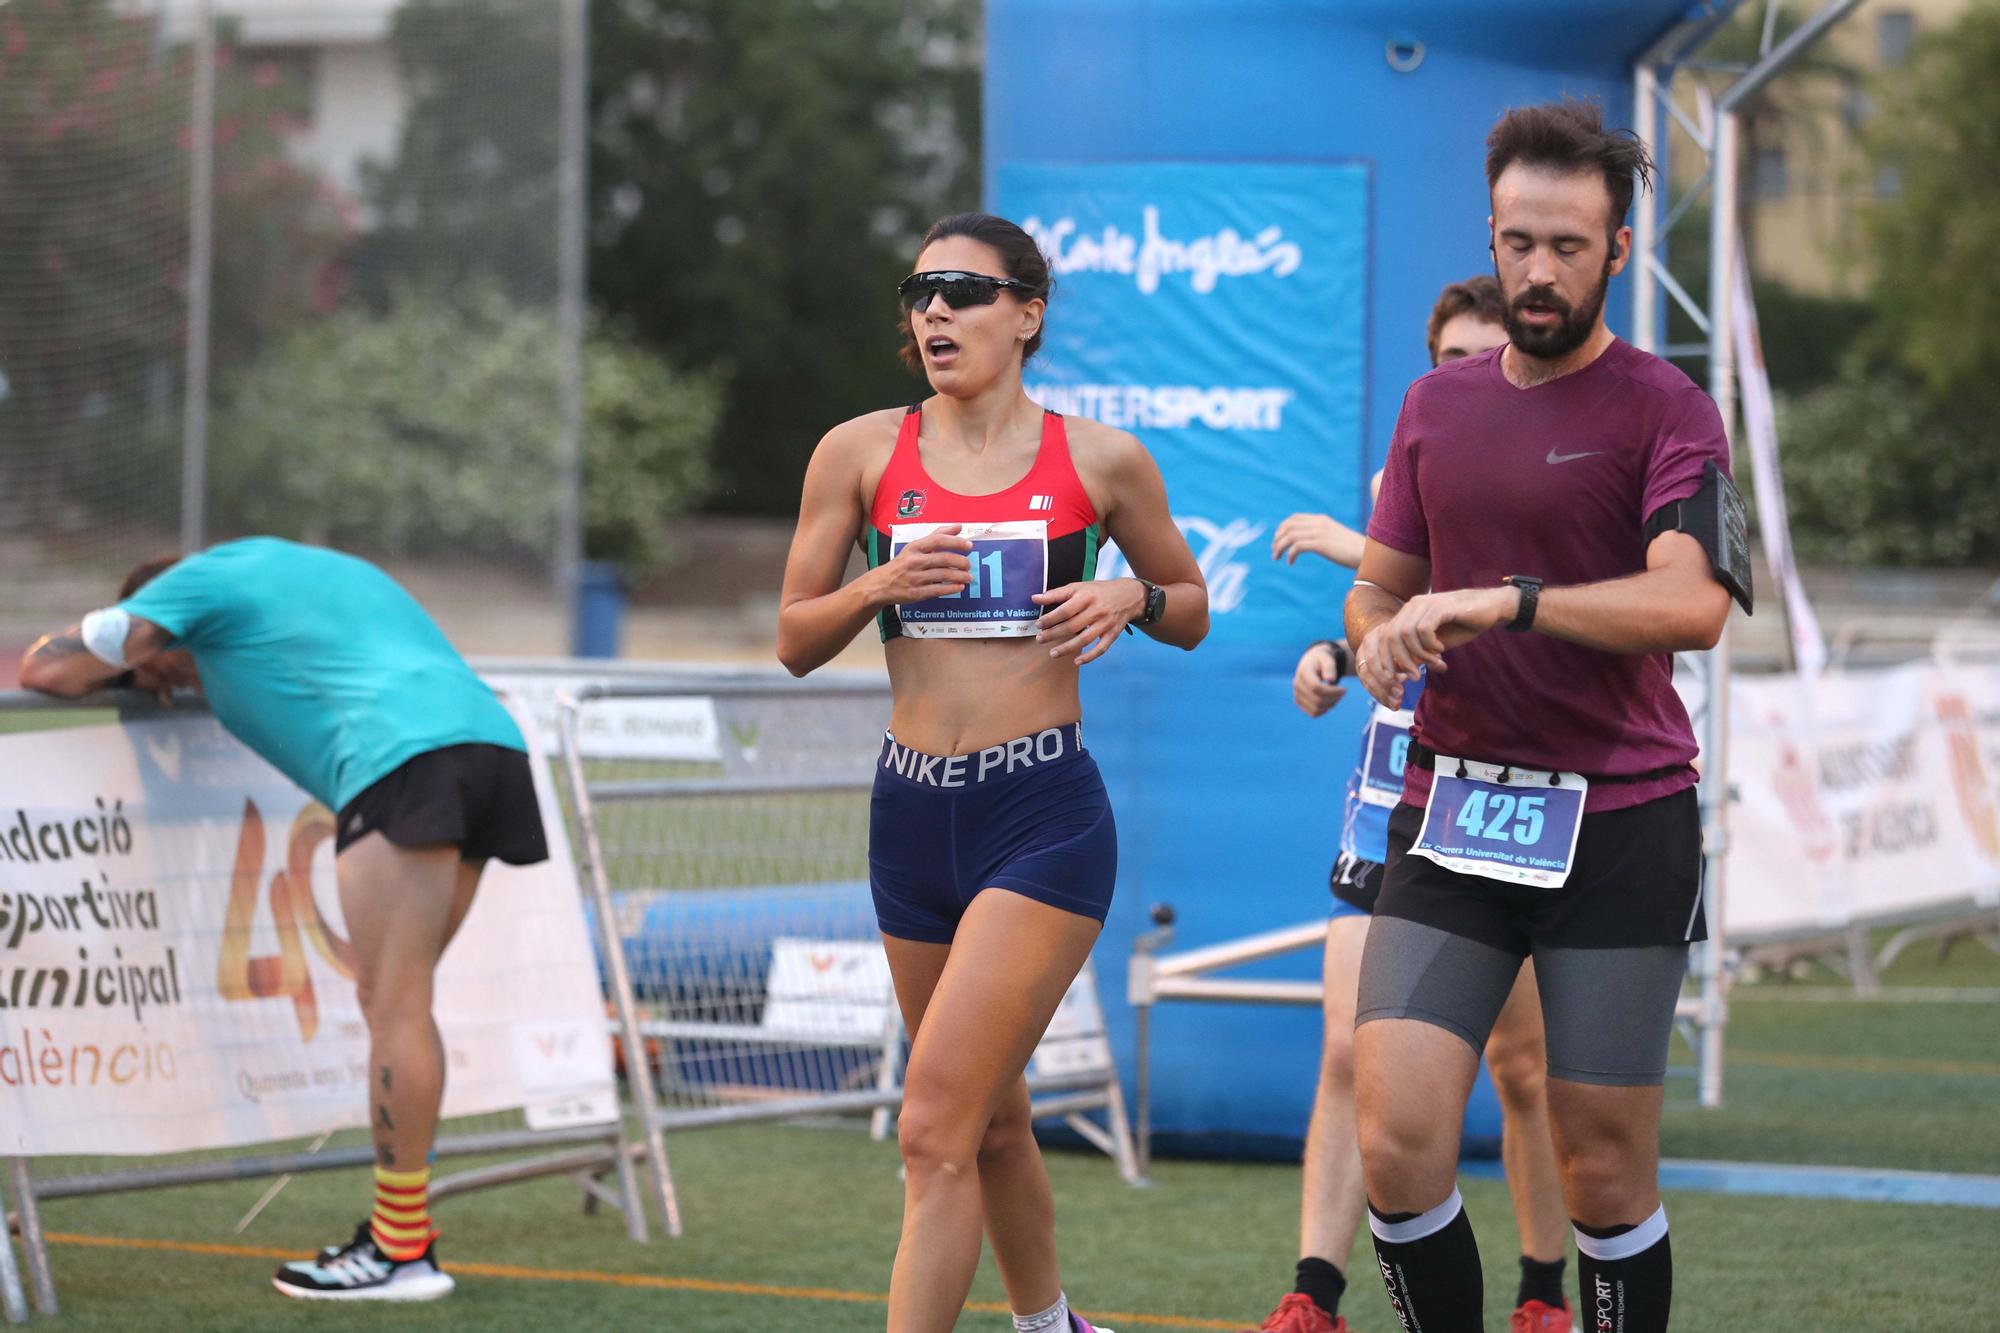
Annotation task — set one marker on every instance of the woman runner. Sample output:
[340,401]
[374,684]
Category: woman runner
[992,850]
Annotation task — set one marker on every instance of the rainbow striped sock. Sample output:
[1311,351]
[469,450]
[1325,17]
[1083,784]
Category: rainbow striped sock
[401,1222]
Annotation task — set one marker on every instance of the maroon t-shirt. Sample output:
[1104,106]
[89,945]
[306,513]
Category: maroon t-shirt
[1484,480]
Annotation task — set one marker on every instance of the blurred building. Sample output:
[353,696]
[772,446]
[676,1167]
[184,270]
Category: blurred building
[337,51]
[1806,168]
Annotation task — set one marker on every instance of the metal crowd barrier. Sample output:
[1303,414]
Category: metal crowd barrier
[727,868]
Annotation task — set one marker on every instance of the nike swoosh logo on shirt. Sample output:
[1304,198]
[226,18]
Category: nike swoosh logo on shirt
[1555,457]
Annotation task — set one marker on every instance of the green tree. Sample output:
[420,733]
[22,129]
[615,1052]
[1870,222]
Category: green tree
[1880,471]
[1934,247]
[1897,463]
[357,432]
[760,174]
[94,173]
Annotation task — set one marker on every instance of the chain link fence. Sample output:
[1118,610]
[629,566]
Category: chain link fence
[305,269]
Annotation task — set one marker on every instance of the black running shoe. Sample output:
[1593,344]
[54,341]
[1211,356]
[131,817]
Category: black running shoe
[359,1271]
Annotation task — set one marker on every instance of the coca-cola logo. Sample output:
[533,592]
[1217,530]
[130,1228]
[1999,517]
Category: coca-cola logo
[1216,547]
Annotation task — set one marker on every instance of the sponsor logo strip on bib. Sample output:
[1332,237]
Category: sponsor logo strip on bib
[1522,830]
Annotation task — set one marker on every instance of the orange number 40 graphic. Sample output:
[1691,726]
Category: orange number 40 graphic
[293,909]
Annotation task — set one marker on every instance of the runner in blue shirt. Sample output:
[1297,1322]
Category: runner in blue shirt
[1465,320]
[326,668]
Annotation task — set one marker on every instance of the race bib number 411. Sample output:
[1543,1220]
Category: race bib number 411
[1010,564]
[1521,831]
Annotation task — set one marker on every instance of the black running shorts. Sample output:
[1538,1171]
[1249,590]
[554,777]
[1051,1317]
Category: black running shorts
[477,798]
[1610,946]
[1635,883]
[1354,884]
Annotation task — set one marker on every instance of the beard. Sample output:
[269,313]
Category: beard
[1571,329]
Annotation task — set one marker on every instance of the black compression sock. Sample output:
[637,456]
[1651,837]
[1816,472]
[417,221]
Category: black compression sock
[1541,1282]
[1430,1264]
[1627,1276]
[1323,1282]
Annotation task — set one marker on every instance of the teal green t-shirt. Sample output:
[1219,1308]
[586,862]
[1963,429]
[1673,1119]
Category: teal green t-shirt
[321,663]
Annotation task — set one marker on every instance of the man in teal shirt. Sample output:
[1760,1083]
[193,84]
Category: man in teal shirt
[326,668]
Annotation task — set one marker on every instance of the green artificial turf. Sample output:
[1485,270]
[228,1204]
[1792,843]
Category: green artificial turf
[1909,1085]
[53,719]
[818,1208]
[1883,1083]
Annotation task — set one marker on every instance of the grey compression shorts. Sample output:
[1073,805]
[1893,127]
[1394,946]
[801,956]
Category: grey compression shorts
[1610,946]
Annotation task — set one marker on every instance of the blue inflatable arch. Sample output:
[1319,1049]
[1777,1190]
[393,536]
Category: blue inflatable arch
[1253,204]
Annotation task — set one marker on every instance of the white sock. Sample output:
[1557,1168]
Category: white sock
[1055,1319]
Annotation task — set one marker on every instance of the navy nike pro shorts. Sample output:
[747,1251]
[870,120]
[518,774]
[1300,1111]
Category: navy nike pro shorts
[1029,816]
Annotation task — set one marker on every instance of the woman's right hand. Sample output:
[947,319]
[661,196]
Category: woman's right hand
[934,565]
[1319,534]
[1316,681]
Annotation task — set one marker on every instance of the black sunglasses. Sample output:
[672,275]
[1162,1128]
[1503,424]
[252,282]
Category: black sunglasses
[959,289]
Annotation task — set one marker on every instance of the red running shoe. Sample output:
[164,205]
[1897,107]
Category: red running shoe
[1297,1313]
[1537,1317]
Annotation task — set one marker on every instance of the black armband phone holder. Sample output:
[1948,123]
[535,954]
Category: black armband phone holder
[1715,516]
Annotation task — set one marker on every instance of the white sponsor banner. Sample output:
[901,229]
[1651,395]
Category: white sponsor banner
[1863,794]
[829,989]
[175,971]
[840,991]
[678,728]
[1075,1042]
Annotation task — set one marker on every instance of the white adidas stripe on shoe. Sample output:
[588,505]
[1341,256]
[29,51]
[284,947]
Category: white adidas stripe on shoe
[359,1271]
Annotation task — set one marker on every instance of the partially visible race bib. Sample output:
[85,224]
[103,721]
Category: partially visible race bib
[1521,831]
[1010,564]
[1384,754]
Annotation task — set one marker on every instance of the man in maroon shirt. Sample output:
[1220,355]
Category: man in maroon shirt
[1548,809]
[1466,319]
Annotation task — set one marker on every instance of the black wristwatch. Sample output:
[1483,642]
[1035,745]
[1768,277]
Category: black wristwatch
[1156,602]
[1343,661]
[1531,594]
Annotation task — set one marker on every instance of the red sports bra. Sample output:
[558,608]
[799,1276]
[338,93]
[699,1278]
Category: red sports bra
[1051,493]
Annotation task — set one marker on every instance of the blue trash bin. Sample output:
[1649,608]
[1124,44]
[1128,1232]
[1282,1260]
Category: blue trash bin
[600,609]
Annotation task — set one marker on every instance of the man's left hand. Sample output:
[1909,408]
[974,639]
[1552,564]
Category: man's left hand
[1430,625]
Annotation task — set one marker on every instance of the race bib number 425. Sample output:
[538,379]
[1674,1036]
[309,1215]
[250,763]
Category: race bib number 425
[1520,831]
[1010,564]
